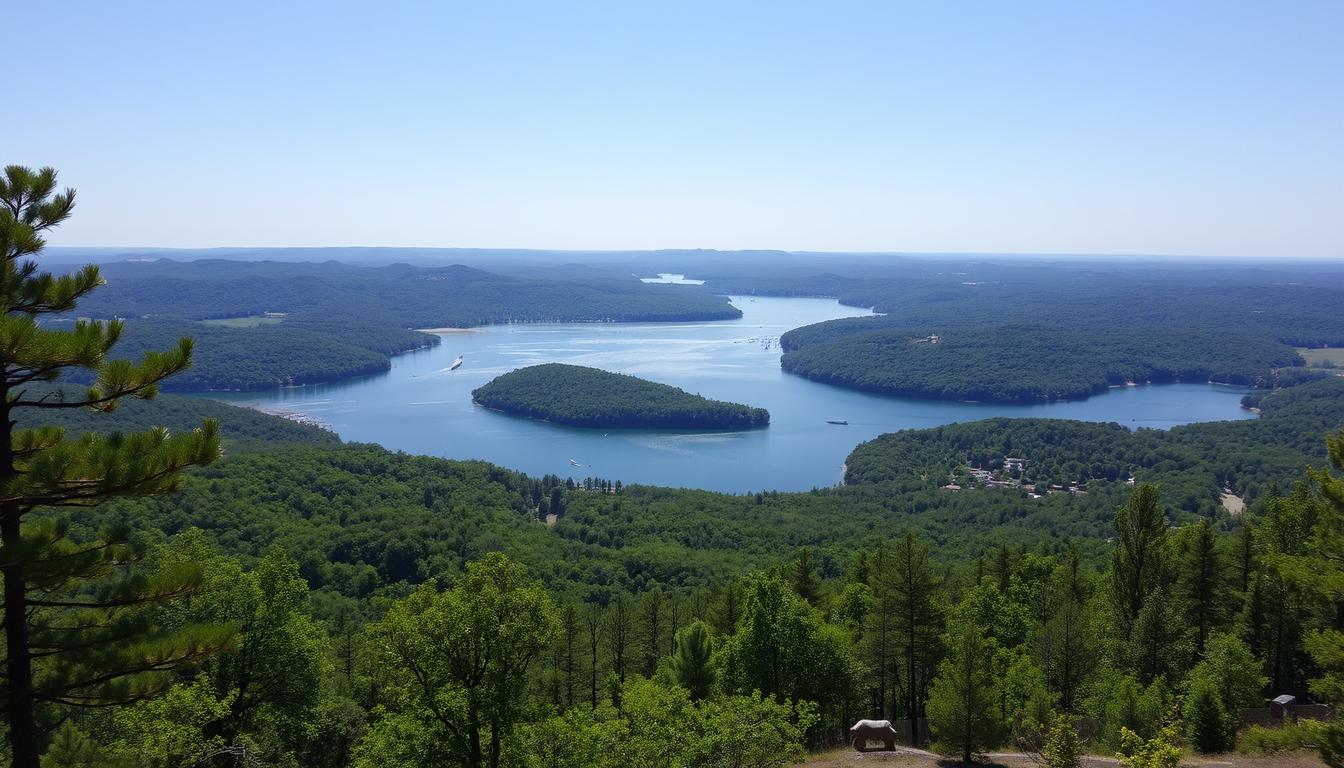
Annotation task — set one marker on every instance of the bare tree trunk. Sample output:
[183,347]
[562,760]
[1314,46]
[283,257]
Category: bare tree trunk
[18,659]
[20,701]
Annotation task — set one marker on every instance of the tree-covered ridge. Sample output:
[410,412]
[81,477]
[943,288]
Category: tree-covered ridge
[1037,329]
[342,321]
[1291,303]
[269,356]
[400,295]
[1021,364]
[589,397]
[1193,462]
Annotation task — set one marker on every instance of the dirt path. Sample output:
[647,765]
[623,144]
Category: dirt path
[906,757]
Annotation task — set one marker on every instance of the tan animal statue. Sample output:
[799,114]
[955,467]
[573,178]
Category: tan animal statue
[873,730]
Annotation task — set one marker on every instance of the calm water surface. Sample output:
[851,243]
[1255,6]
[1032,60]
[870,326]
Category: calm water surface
[420,406]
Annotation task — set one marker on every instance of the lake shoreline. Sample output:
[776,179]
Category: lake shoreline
[423,407]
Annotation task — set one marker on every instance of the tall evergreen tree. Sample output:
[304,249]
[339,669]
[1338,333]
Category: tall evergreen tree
[1245,557]
[1201,582]
[651,609]
[692,661]
[917,621]
[879,634]
[728,609]
[73,634]
[805,581]
[1065,643]
[1315,571]
[962,711]
[1137,557]
[592,621]
[569,633]
[619,620]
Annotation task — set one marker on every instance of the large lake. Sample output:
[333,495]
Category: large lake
[421,406]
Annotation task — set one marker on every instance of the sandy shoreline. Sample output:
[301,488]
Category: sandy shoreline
[448,330]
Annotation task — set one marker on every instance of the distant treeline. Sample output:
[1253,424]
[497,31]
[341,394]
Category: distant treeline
[589,397]
[1032,330]
[341,320]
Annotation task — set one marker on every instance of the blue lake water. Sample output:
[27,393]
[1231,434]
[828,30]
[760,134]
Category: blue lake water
[421,406]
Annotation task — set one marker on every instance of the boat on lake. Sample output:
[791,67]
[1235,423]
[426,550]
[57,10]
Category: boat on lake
[841,423]
[456,364]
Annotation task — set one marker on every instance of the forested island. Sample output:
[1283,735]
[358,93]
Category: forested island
[588,397]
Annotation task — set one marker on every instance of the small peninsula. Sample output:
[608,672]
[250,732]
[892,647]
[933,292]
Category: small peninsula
[579,396]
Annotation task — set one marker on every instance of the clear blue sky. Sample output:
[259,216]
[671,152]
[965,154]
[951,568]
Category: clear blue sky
[1208,128]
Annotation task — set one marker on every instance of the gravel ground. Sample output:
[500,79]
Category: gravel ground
[908,758]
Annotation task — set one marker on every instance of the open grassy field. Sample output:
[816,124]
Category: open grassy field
[244,322]
[848,758]
[1317,356]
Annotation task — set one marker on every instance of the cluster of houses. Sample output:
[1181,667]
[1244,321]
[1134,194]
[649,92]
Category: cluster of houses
[1010,476]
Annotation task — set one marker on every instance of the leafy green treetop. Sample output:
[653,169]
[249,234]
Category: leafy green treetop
[461,658]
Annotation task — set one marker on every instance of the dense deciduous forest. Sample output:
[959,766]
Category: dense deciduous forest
[587,397]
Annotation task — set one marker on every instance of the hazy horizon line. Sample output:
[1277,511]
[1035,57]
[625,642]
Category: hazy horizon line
[1105,255]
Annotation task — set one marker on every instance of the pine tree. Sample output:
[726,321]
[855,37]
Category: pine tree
[1201,584]
[76,629]
[569,632]
[728,609]
[1245,557]
[1154,646]
[1065,641]
[805,581]
[1205,719]
[916,620]
[651,607]
[962,702]
[1136,559]
[692,661]
[592,621]
[1315,572]
[879,634]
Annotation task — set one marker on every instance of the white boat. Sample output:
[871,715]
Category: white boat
[577,464]
[456,364]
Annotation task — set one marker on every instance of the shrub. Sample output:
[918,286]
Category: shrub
[1062,748]
[1258,739]
[1206,720]
[1158,752]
